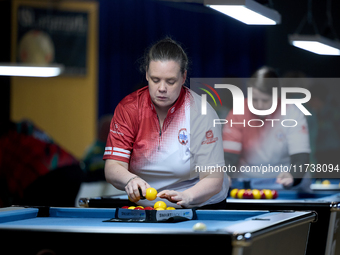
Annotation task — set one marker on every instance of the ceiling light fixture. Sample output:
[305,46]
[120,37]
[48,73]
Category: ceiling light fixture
[316,43]
[7,69]
[246,11]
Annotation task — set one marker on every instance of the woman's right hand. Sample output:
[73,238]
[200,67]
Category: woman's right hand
[133,186]
[117,173]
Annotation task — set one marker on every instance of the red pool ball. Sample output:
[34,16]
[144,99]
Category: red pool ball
[274,193]
[125,207]
[248,194]
[149,208]
[139,207]
[263,196]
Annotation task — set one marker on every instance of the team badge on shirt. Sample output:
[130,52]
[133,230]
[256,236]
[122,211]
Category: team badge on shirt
[116,131]
[209,135]
[183,136]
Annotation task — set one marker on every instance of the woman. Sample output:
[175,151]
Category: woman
[157,138]
[270,149]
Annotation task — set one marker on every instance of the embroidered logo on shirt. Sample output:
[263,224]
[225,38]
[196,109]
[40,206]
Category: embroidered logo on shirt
[116,131]
[209,135]
[183,136]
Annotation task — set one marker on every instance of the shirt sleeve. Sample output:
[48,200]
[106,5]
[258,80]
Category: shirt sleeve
[122,134]
[232,136]
[298,136]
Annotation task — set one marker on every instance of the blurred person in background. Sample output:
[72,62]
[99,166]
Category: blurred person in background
[268,145]
[328,120]
[299,79]
[93,163]
[34,170]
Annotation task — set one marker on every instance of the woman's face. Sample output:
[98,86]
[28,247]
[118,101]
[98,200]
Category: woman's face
[165,82]
[261,101]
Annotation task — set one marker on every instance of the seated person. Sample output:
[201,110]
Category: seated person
[93,164]
[34,170]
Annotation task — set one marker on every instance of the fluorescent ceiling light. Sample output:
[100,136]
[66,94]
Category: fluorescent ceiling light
[30,71]
[246,11]
[316,44]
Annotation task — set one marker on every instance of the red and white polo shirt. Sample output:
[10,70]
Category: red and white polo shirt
[268,145]
[166,158]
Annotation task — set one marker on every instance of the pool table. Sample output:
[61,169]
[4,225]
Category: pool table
[334,185]
[84,230]
[324,236]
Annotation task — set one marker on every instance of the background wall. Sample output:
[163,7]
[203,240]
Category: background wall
[217,46]
[65,107]
[5,56]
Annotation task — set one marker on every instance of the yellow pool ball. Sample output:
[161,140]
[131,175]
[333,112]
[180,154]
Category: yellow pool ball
[326,182]
[240,193]
[132,207]
[170,208]
[199,227]
[151,194]
[233,193]
[256,194]
[268,193]
[159,209]
[160,204]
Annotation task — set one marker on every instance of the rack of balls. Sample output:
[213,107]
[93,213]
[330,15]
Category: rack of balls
[151,194]
[158,213]
[253,194]
[158,206]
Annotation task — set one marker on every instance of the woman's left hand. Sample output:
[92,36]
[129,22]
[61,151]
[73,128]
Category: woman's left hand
[180,198]
[286,179]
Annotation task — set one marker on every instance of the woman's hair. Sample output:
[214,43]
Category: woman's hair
[264,79]
[165,50]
